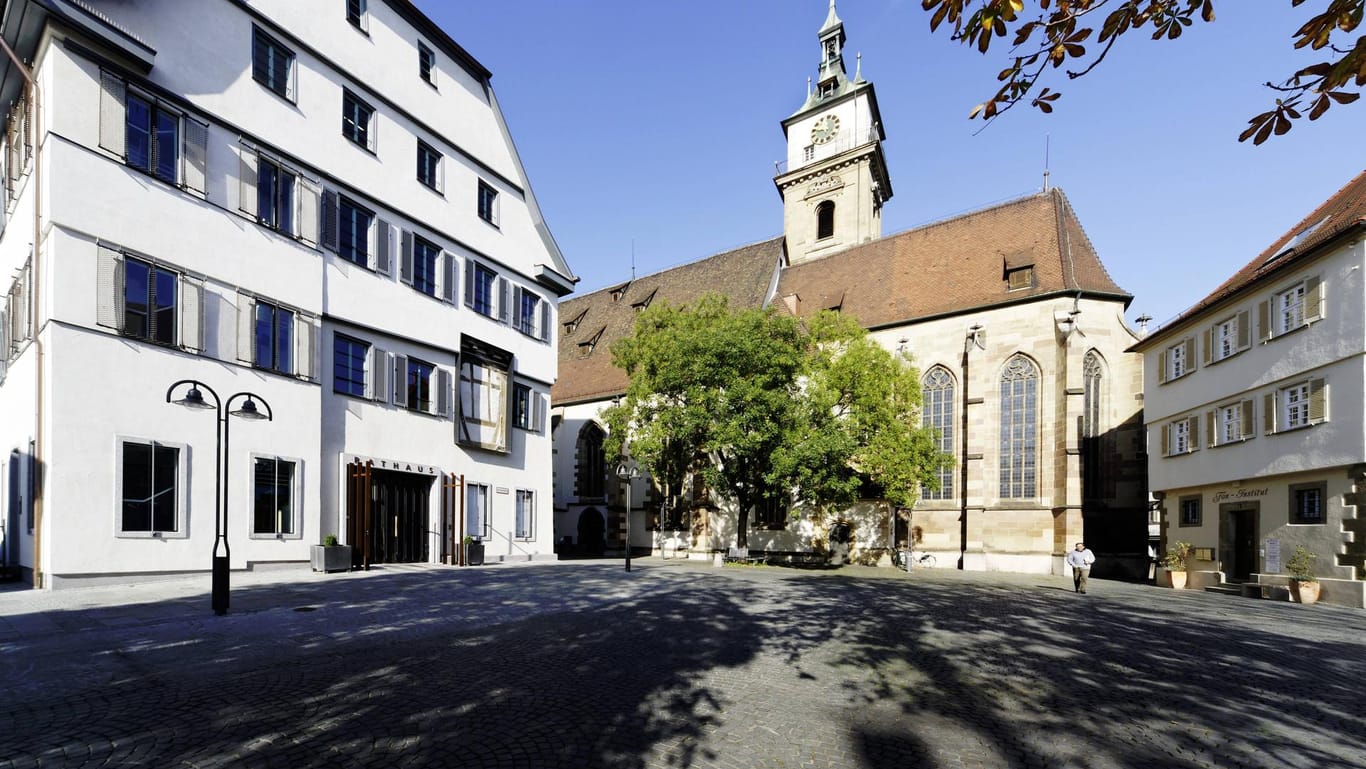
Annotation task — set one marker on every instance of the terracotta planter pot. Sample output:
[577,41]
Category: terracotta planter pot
[1176,580]
[1306,592]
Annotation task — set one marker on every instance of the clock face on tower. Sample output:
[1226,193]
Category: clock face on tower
[825,129]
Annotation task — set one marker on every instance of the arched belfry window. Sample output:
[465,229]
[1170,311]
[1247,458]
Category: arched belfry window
[1019,428]
[590,466]
[937,388]
[1092,377]
[825,219]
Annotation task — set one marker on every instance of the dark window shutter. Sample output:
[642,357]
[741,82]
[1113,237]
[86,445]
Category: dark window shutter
[448,277]
[405,264]
[329,215]
[400,381]
[384,247]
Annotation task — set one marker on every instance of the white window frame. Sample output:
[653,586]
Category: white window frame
[1229,423]
[296,498]
[1294,406]
[1175,361]
[1290,309]
[1181,438]
[181,493]
[369,126]
[485,398]
[478,517]
[527,517]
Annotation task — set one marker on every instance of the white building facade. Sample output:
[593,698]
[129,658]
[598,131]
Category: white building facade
[1254,411]
[315,205]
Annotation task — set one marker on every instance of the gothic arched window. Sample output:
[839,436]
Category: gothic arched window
[825,220]
[591,465]
[1019,428]
[1092,376]
[937,388]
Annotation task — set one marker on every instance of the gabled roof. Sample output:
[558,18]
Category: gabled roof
[953,266]
[591,323]
[1345,211]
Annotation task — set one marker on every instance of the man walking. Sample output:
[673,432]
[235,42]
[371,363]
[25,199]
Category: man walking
[1080,559]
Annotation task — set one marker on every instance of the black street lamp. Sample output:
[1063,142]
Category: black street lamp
[194,398]
[628,471]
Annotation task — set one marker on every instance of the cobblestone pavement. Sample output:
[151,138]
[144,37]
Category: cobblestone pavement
[675,665]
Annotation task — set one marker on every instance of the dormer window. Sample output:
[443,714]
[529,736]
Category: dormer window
[619,292]
[572,325]
[1020,278]
[828,88]
[587,346]
[643,303]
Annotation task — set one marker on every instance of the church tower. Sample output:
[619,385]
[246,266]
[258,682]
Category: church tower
[835,179]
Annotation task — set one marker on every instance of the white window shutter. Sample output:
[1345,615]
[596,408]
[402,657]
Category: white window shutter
[246,176]
[1313,299]
[310,204]
[405,267]
[448,276]
[401,380]
[113,114]
[329,223]
[191,314]
[469,283]
[384,247]
[194,156]
[1318,401]
[376,384]
[443,393]
[504,303]
[109,288]
[304,347]
[246,328]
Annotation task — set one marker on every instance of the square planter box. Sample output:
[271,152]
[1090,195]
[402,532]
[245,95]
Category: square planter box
[335,558]
[474,554]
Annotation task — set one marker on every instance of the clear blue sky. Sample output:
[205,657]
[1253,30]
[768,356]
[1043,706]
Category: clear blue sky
[657,123]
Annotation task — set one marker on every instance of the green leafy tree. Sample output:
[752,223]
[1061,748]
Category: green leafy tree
[1084,31]
[861,422]
[709,382]
[769,406]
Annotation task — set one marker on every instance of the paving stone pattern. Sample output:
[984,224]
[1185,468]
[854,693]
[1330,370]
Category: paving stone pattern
[675,665]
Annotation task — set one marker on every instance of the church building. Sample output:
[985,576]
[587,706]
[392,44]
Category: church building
[1014,323]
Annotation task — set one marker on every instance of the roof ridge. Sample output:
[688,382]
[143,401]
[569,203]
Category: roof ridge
[967,212]
[671,268]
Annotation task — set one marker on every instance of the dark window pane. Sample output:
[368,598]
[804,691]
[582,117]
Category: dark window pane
[419,385]
[137,487]
[137,319]
[164,300]
[424,266]
[348,366]
[167,146]
[284,341]
[285,202]
[284,496]
[265,326]
[138,136]
[266,178]
[165,461]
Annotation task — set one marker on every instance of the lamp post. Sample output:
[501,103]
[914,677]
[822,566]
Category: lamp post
[628,471]
[194,398]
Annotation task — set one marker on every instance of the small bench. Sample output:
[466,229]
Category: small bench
[741,555]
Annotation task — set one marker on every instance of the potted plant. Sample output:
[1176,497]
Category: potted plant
[1177,563]
[1302,582]
[330,556]
[474,551]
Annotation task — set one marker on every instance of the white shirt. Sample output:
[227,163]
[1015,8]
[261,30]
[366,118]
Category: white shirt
[1082,558]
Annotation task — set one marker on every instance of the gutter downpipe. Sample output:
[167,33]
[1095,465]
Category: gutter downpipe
[35,469]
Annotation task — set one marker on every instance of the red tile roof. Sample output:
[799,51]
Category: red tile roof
[1343,212]
[955,265]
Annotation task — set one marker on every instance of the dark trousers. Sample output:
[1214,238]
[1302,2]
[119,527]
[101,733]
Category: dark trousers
[1079,575]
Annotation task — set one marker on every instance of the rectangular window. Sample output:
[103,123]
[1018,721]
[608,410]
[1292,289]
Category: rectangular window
[274,338]
[152,138]
[483,405]
[357,121]
[1295,406]
[1180,437]
[1190,511]
[355,13]
[1306,503]
[419,384]
[272,64]
[275,196]
[273,496]
[528,313]
[526,514]
[477,522]
[808,153]
[1020,278]
[425,260]
[426,64]
[1226,338]
[1176,361]
[521,406]
[488,204]
[481,285]
[150,488]
[1290,309]
[428,166]
[771,514]
[1229,423]
[353,232]
[348,366]
[149,302]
